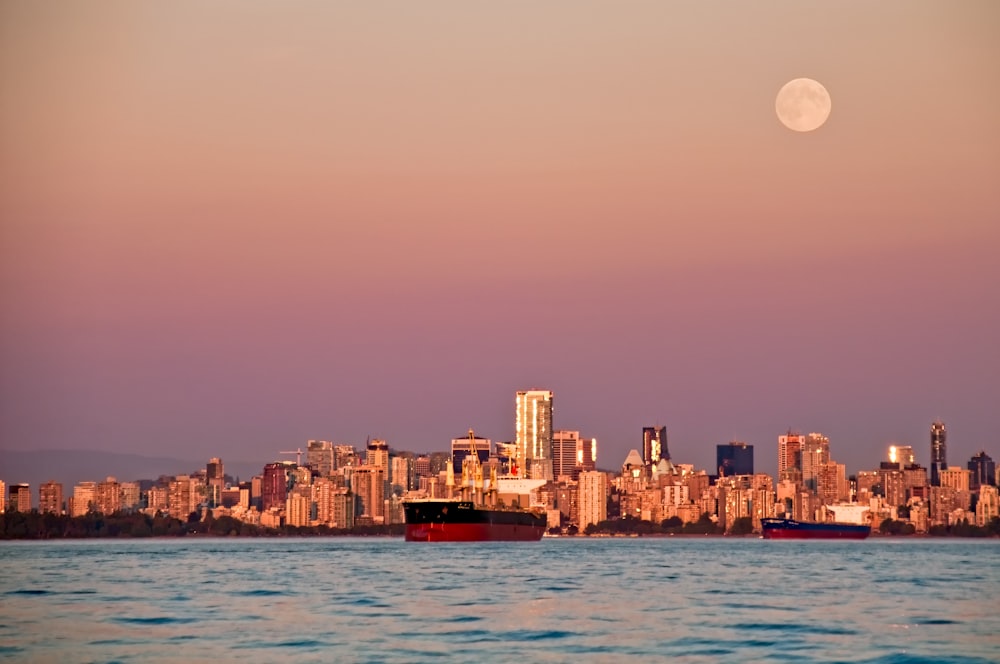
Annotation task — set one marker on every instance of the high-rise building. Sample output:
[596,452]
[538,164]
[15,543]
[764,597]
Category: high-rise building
[564,447]
[84,499]
[50,497]
[368,485]
[183,498]
[815,452]
[3,496]
[20,498]
[586,455]
[463,447]
[533,426]
[377,454]
[274,485]
[654,445]
[735,458]
[593,501]
[902,455]
[109,497]
[215,481]
[130,495]
[939,448]
[831,483]
[320,457]
[790,451]
[983,470]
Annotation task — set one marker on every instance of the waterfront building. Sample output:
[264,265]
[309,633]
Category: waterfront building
[654,445]
[586,455]
[183,498]
[815,453]
[401,470]
[109,498]
[831,483]
[84,499]
[368,486]
[939,448]
[891,484]
[20,498]
[982,470]
[3,496]
[735,458]
[320,457]
[790,451]
[564,453]
[533,428]
[915,482]
[593,500]
[130,495]
[867,485]
[157,500]
[988,505]
[50,497]
[298,506]
[215,481]
[274,485]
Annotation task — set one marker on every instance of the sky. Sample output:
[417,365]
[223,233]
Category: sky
[228,228]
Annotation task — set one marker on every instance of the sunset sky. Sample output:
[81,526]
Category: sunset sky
[230,227]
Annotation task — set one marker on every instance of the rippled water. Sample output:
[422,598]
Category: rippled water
[559,600]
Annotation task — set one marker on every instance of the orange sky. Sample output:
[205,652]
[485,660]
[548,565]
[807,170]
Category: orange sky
[182,180]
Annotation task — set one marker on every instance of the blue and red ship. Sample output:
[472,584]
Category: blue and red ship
[792,529]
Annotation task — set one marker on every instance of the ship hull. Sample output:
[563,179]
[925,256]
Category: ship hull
[791,529]
[458,521]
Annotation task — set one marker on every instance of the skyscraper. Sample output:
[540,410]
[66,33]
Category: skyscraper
[789,451]
[215,481]
[939,460]
[593,501]
[50,497]
[654,445]
[735,458]
[815,453]
[533,426]
[20,498]
[564,452]
[319,457]
[983,470]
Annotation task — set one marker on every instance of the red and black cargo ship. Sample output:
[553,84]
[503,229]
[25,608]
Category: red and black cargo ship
[792,529]
[463,521]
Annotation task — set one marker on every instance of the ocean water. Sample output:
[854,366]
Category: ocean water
[558,600]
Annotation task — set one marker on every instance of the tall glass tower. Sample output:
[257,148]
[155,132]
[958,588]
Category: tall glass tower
[533,426]
[938,452]
[654,445]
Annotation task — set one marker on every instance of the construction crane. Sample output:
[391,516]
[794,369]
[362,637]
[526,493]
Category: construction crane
[297,453]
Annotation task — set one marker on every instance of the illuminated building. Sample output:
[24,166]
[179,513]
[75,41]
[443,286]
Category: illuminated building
[815,453]
[654,445]
[183,498]
[320,457]
[593,501]
[831,483]
[939,449]
[988,505]
[533,430]
[789,452]
[368,486]
[274,485]
[20,498]
[215,481]
[902,455]
[50,497]
[108,499]
[3,496]
[586,455]
[564,452]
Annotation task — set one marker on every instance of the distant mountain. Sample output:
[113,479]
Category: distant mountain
[73,466]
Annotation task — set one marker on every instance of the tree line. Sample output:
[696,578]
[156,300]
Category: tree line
[36,525]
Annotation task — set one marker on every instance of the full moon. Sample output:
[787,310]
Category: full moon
[802,104]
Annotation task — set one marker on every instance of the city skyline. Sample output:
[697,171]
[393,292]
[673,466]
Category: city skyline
[238,231]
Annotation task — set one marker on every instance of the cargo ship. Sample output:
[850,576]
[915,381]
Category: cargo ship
[792,529]
[474,509]
[437,520]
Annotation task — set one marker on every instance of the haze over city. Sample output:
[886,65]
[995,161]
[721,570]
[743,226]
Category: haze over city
[223,233]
